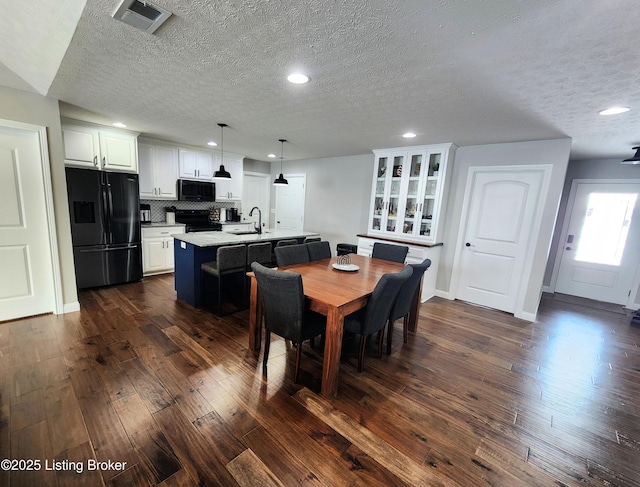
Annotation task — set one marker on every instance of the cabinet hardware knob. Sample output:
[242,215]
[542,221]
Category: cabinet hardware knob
[95,161]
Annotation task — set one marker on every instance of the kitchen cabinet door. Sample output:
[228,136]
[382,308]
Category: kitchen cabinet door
[158,171]
[230,189]
[98,148]
[119,151]
[166,171]
[81,146]
[196,164]
[146,165]
[154,253]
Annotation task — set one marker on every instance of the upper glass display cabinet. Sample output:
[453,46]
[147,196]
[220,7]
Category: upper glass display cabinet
[407,192]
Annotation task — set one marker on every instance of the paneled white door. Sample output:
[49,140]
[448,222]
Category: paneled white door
[501,210]
[602,243]
[290,204]
[26,281]
[256,192]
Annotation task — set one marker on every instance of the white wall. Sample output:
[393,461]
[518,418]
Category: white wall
[31,108]
[337,195]
[554,152]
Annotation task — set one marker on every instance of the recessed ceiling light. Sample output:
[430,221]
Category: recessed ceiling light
[211,143]
[120,125]
[271,155]
[298,78]
[614,111]
[409,135]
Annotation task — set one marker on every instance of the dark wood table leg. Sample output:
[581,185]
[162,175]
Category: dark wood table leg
[332,351]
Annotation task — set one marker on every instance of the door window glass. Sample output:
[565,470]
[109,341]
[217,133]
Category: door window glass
[606,225]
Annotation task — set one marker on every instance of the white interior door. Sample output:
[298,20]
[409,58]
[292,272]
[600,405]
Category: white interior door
[26,281]
[290,204]
[602,242]
[501,208]
[256,192]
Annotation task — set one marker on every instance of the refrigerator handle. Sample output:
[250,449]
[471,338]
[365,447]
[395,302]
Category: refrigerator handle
[105,205]
[110,214]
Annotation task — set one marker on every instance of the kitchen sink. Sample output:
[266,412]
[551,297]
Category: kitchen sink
[244,232]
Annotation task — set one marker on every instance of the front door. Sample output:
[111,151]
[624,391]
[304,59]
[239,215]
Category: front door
[502,206]
[290,204]
[26,282]
[601,246]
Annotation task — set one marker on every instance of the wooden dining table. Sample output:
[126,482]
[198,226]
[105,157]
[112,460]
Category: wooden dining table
[334,294]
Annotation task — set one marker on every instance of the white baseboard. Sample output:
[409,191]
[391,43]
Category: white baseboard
[71,307]
[547,289]
[523,315]
[444,294]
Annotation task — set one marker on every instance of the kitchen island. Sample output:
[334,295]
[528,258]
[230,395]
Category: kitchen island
[192,249]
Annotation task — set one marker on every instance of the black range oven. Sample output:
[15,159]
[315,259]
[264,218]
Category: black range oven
[197,221]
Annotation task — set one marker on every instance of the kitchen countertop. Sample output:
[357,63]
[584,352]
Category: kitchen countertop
[161,224]
[215,239]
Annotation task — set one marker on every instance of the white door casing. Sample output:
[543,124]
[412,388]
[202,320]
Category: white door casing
[597,280]
[30,281]
[290,203]
[256,192]
[502,212]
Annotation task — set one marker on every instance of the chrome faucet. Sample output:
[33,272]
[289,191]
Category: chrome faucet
[259,227]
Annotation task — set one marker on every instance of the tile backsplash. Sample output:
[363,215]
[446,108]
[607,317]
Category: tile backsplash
[158,213]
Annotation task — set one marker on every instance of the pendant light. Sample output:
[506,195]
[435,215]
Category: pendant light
[635,159]
[222,173]
[280,180]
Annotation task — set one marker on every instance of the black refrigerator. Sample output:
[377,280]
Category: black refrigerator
[105,226]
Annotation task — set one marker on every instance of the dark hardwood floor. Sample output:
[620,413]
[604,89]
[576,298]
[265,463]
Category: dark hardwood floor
[475,398]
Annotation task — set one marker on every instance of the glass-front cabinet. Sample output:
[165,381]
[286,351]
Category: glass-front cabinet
[407,192]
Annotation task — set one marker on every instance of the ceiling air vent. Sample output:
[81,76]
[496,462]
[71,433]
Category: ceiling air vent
[141,15]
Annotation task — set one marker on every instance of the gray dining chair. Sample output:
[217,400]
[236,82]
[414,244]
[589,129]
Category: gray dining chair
[289,241]
[374,316]
[394,253]
[402,306]
[319,250]
[312,239]
[284,310]
[230,259]
[291,254]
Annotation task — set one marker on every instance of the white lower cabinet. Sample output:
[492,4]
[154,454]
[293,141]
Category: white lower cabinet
[157,249]
[416,254]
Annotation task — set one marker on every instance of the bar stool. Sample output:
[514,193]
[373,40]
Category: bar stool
[282,243]
[260,253]
[230,259]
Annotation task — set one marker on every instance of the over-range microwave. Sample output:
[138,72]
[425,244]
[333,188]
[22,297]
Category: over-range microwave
[189,190]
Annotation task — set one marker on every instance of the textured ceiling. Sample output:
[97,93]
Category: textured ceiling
[468,72]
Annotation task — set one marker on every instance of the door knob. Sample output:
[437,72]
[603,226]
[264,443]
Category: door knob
[468,245]
[567,248]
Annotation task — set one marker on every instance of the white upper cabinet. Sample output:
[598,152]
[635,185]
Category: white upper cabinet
[230,189]
[196,164]
[158,171]
[408,192]
[100,148]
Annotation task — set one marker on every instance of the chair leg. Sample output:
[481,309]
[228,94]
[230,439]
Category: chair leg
[405,328]
[380,335]
[389,335]
[220,295]
[267,343]
[363,343]
[297,369]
